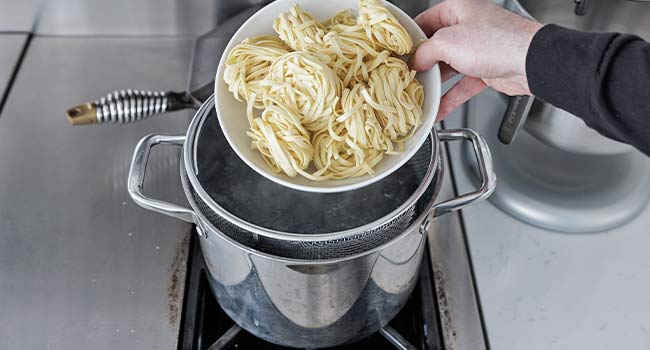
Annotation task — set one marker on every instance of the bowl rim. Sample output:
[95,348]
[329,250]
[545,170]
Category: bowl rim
[364,180]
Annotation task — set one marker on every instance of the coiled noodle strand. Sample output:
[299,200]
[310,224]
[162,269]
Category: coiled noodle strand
[333,97]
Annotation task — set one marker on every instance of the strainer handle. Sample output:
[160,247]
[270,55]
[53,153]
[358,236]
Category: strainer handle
[137,173]
[128,106]
[486,171]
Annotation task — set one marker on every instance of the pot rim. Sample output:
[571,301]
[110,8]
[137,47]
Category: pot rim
[208,228]
[189,161]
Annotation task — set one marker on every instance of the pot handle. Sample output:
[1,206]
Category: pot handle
[137,173]
[486,171]
[514,117]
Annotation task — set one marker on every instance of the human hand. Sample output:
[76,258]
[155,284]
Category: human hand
[479,39]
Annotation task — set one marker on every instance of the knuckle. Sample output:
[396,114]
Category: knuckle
[441,41]
[439,35]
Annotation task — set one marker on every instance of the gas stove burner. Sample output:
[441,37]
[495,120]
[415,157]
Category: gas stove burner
[555,189]
[229,339]
[205,326]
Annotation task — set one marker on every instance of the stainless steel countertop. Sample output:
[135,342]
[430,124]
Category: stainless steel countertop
[458,304]
[10,47]
[126,17]
[116,17]
[18,16]
[548,290]
[82,266]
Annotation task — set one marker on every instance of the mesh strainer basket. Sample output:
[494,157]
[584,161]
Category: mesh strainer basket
[276,220]
[281,221]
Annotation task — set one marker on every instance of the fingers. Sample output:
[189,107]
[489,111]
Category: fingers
[460,93]
[446,72]
[439,16]
[437,20]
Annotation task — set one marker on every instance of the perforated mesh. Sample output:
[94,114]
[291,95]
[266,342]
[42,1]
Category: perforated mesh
[231,187]
[354,243]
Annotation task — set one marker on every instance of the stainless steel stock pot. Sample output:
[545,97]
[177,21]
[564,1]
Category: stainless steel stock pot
[306,269]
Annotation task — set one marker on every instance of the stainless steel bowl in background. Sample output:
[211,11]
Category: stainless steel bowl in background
[623,16]
[557,127]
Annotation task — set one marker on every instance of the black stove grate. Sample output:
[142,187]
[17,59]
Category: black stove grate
[204,323]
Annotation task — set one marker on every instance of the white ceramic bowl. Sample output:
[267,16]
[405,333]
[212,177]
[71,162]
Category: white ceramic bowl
[232,113]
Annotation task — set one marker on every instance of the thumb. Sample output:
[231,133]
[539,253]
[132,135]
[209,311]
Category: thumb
[429,53]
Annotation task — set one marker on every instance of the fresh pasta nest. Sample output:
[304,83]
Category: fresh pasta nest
[327,100]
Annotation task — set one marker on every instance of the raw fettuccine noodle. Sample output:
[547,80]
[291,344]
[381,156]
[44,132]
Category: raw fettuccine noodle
[333,97]
[300,30]
[344,17]
[307,84]
[383,27]
[249,62]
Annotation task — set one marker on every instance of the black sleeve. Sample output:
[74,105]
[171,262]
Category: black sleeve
[603,78]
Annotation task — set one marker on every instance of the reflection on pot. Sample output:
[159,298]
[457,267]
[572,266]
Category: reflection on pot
[305,304]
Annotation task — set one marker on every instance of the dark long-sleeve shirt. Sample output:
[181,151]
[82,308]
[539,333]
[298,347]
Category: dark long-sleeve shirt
[603,78]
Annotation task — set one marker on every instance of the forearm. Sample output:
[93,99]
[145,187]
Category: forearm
[603,78]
